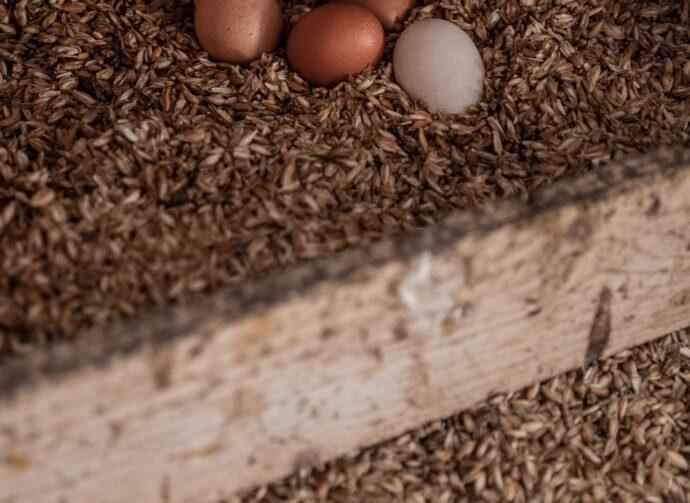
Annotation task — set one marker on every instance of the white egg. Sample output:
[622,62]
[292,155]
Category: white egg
[437,63]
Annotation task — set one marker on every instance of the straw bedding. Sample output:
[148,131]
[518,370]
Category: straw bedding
[135,172]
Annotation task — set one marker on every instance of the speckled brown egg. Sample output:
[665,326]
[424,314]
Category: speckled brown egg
[334,41]
[389,12]
[238,31]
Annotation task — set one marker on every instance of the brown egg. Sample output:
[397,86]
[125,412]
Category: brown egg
[389,12]
[238,31]
[334,41]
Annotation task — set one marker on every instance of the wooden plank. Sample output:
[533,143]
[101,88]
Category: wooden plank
[249,384]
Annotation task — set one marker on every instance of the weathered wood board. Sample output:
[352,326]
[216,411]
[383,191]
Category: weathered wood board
[249,384]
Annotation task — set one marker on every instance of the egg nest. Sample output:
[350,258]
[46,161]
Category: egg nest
[135,171]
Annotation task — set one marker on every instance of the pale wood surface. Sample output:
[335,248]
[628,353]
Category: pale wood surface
[249,384]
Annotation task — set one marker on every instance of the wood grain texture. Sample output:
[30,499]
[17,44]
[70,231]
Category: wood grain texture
[250,384]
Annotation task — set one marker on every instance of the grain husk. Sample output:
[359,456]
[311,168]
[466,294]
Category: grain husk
[136,172]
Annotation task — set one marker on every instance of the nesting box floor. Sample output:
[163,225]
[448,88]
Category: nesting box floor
[135,172]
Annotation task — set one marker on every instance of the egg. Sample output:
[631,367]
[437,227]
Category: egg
[334,41]
[238,31]
[437,63]
[389,12]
